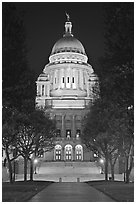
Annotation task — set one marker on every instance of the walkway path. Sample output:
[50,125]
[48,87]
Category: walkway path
[70,192]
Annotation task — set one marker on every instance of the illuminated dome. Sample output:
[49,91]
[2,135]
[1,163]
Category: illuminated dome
[68,44]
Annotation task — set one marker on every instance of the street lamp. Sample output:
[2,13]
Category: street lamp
[102,165]
[35,162]
[101,161]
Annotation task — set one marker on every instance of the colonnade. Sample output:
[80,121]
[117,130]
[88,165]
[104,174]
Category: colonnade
[43,89]
[69,78]
[72,126]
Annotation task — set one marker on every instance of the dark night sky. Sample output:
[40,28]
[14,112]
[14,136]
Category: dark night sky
[45,25]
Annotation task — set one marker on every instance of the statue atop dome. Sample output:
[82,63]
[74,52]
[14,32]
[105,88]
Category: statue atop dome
[68,17]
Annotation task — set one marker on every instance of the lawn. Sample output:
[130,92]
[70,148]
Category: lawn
[21,191]
[117,190]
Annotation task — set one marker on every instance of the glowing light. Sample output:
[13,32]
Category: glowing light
[35,161]
[130,107]
[95,155]
[101,161]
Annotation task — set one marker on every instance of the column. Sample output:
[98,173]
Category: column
[81,79]
[63,126]
[65,78]
[63,153]
[53,79]
[74,75]
[70,80]
[44,90]
[59,79]
[87,88]
[62,75]
[82,153]
[41,89]
[48,90]
[76,78]
[37,89]
[73,126]
[74,154]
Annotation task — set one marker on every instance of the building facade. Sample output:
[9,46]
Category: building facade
[66,88]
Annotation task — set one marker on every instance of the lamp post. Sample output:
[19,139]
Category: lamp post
[35,165]
[102,164]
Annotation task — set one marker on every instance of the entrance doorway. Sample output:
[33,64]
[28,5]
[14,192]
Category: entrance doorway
[68,153]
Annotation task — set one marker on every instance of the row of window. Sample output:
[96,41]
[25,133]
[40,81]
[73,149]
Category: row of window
[63,80]
[69,61]
[68,133]
[68,80]
[68,152]
[66,49]
[68,57]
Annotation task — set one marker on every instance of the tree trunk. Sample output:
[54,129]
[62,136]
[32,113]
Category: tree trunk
[112,172]
[128,168]
[31,169]
[127,172]
[9,165]
[124,168]
[14,170]
[106,169]
[25,169]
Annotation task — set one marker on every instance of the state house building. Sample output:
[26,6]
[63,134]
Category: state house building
[66,88]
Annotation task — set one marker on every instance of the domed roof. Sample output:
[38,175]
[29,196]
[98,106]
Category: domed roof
[68,44]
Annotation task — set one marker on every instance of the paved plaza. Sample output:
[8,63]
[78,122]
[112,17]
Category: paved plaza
[70,192]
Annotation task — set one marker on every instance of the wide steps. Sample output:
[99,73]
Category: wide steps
[72,164]
[68,168]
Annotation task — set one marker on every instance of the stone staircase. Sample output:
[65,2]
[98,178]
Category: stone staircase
[68,171]
[67,168]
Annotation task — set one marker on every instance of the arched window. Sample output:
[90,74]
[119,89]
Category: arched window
[58,149]
[68,152]
[79,152]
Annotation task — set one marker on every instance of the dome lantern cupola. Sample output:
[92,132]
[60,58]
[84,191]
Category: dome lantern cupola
[68,27]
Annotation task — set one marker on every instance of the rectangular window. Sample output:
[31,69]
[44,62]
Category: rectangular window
[78,132]
[84,80]
[73,80]
[68,134]
[63,80]
[42,90]
[58,133]
[68,79]
[55,80]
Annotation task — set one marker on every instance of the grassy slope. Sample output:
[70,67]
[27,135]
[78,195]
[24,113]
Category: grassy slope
[21,191]
[117,190]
